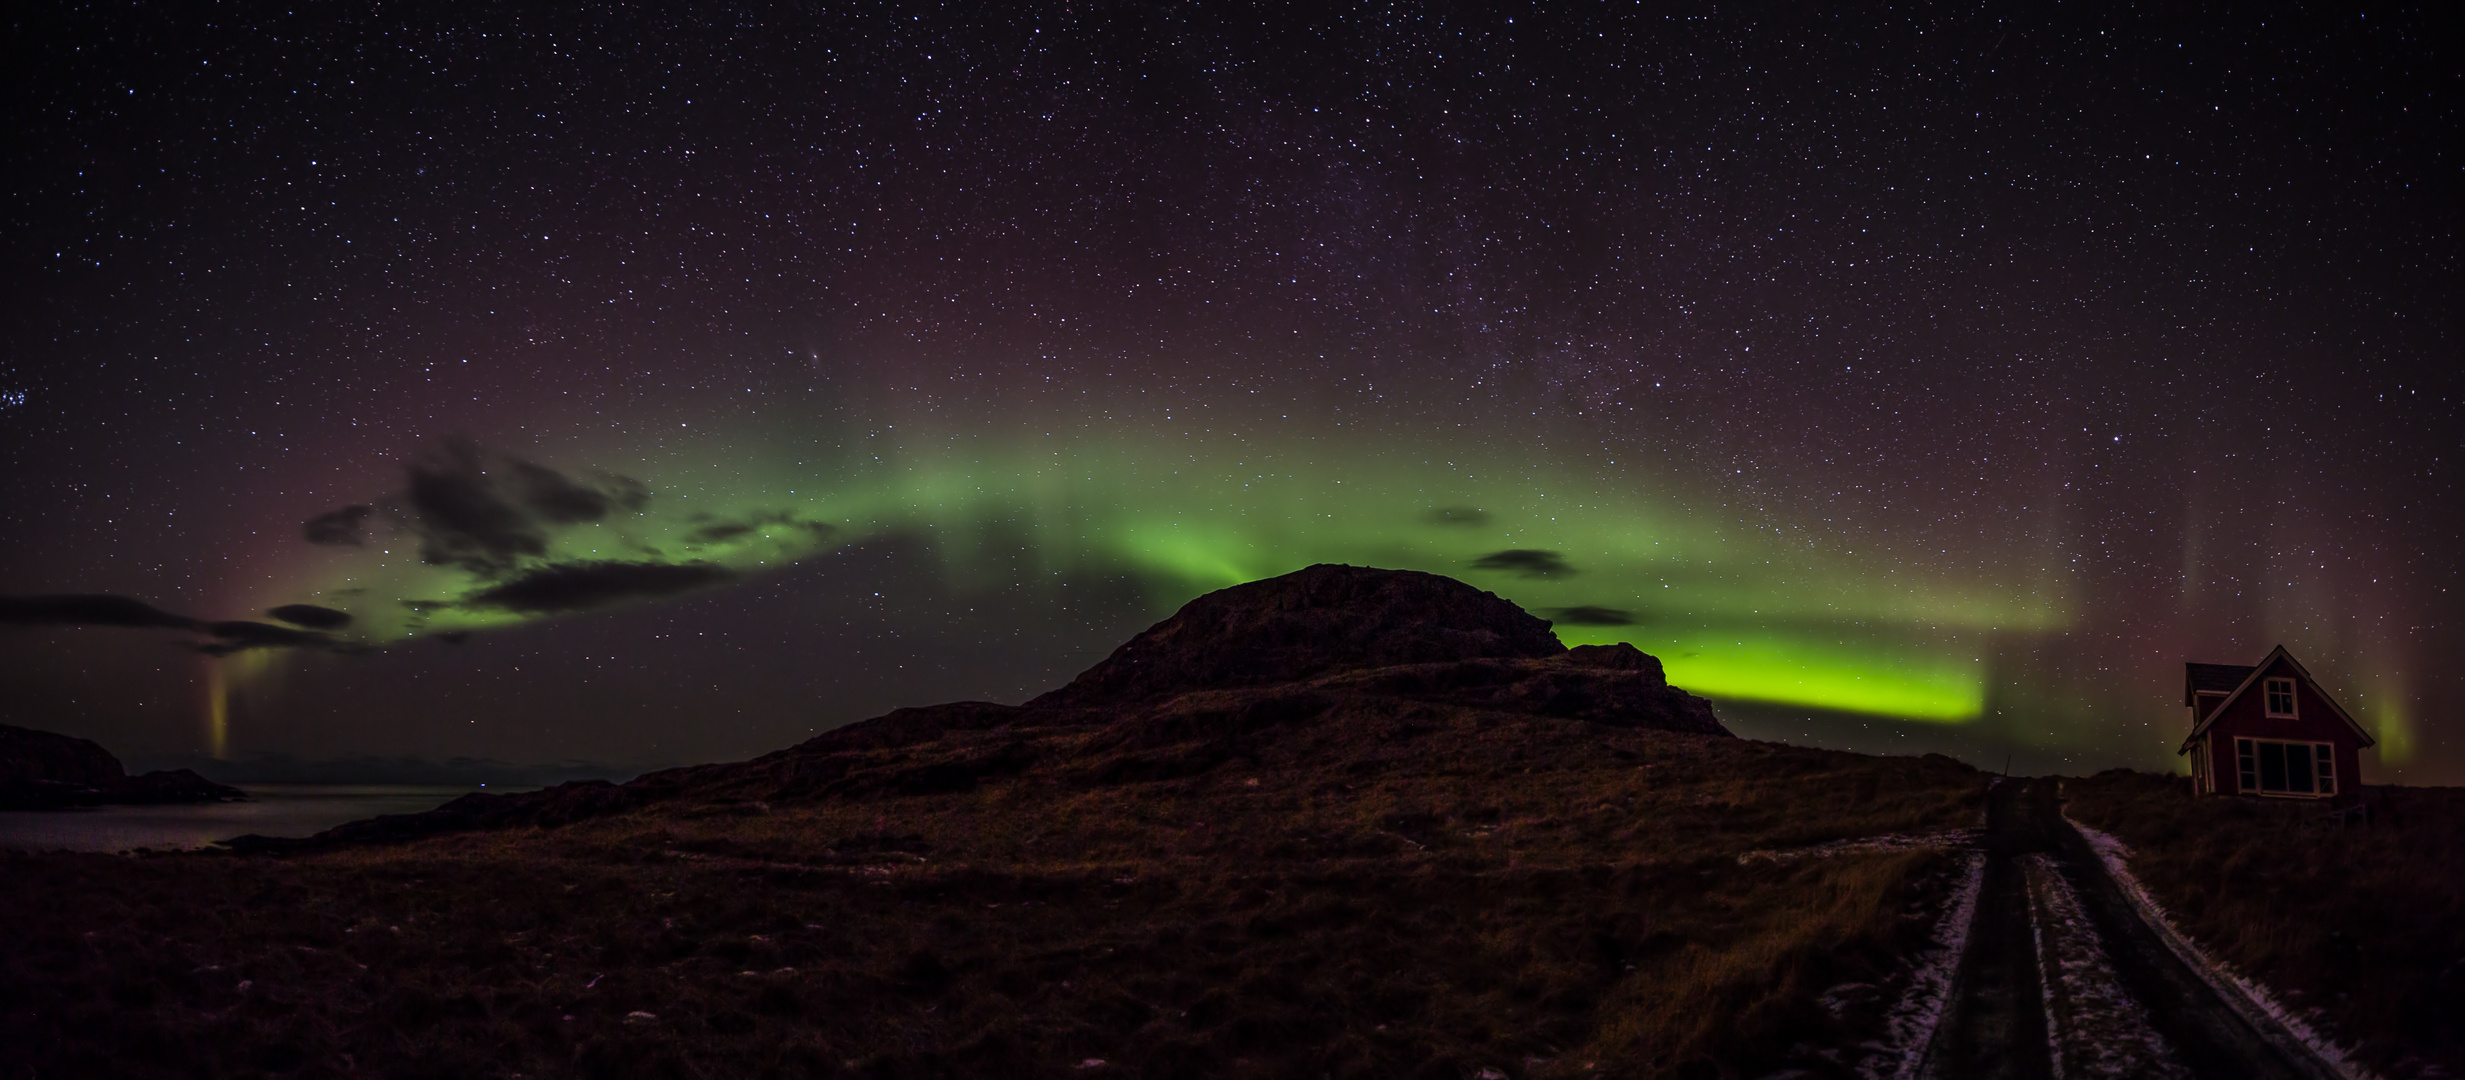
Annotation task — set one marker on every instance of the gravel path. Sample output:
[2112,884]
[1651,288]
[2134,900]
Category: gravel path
[2062,980]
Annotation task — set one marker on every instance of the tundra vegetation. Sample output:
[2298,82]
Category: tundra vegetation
[2358,927]
[1427,894]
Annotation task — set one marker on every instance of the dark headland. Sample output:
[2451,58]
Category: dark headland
[40,770]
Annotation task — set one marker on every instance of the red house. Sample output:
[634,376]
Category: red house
[2269,730]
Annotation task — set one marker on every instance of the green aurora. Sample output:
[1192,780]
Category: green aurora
[1737,609]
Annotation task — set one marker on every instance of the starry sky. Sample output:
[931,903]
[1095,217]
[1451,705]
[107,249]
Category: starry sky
[632,386]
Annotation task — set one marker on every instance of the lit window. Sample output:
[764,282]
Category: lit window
[2280,697]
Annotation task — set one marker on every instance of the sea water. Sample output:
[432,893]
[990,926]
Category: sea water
[271,810]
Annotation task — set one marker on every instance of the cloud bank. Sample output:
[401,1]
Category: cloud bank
[581,586]
[1526,562]
[222,638]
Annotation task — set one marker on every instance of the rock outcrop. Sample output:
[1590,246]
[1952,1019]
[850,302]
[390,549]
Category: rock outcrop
[40,770]
[1308,623]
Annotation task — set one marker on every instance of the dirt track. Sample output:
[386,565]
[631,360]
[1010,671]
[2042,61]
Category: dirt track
[1999,1026]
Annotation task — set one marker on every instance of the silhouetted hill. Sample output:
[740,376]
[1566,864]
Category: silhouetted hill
[27,755]
[1325,665]
[41,770]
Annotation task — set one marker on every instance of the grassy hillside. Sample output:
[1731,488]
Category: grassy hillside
[2363,926]
[1433,893]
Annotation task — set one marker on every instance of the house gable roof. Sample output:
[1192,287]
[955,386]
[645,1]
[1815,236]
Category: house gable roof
[2252,678]
[2211,679]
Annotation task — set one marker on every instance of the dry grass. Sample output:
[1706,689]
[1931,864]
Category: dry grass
[2362,926]
[1532,896]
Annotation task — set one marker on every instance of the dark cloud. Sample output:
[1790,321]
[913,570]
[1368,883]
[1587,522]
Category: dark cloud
[725,530]
[559,499]
[1526,562]
[1456,515]
[1588,615]
[90,609]
[722,530]
[466,517]
[238,634]
[463,520]
[338,528]
[582,585]
[312,616]
[226,637]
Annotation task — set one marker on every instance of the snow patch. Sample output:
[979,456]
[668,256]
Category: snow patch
[1909,1027]
[2244,996]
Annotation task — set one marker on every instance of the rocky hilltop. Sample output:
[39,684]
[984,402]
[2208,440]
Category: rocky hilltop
[1308,623]
[40,770]
[1328,664]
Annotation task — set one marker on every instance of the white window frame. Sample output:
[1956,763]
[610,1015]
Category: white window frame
[2268,698]
[2249,770]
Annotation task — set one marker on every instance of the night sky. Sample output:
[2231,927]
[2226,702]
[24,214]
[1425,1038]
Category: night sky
[640,387]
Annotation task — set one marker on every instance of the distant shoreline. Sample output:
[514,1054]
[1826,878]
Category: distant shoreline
[281,809]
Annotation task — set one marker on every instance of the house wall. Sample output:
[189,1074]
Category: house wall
[2248,718]
[2204,751]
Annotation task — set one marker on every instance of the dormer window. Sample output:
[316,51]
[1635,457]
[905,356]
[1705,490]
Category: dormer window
[2280,697]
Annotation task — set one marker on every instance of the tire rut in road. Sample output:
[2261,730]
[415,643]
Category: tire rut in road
[2095,1027]
[1996,1026]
